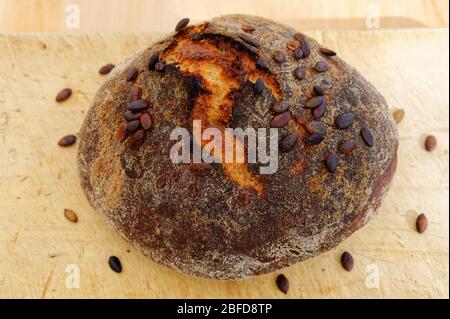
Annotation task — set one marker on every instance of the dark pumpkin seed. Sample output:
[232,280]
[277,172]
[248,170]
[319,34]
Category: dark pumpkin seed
[347,261]
[146,121]
[319,111]
[315,139]
[67,140]
[132,74]
[430,143]
[299,36]
[115,264]
[182,24]
[133,126]
[259,85]
[318,90]
[135,93]
[280,107]
[299,73]
[347,147]
[421,223]
[367,136]
[321,66]
[153,60]
[106,69]
[306,48]
[261,64]
[316,127]
[136,140]
[249,40]
[282,283]
[298,54]
[398,115]
[344,120]
[279,57]
[288,142]
[63,95]
[70,215]
[130,116]
[248,28]
[327,52]
[314,101]
[122,131]
[137,105]
[331,162]
[280,120]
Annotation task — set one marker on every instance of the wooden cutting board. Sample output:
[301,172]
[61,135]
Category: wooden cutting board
[38,179]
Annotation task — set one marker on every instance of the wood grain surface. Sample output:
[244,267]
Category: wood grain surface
[38,179]
[162,15]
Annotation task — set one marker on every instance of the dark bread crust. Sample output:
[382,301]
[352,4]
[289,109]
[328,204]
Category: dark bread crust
[210,226]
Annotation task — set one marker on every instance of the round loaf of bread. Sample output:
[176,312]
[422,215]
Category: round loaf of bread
[337,148]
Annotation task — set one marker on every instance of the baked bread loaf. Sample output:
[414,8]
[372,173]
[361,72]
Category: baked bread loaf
[338,146]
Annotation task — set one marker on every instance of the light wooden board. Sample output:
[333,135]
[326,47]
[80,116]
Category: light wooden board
[162,15]
[38,179]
